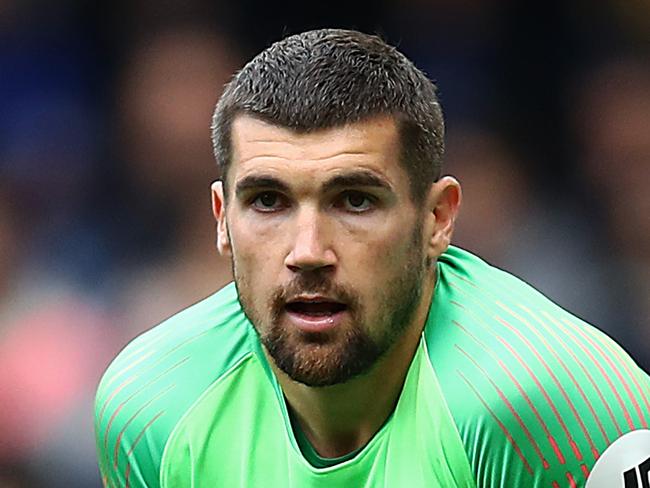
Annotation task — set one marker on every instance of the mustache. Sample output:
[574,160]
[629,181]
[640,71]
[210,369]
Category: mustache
[312,284]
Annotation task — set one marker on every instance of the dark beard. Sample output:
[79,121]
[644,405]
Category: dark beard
[320,360]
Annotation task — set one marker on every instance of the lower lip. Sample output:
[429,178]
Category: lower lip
[316,323]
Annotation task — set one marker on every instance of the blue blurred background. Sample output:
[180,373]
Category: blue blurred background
[105,166]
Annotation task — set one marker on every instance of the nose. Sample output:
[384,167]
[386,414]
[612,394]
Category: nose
[311,243]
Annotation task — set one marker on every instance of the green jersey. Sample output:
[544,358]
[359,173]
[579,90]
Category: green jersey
[506,389]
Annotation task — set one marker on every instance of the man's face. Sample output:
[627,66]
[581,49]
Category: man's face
[327,246]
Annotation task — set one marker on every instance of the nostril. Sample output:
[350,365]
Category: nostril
[310,259]
[293,268]
[308,268]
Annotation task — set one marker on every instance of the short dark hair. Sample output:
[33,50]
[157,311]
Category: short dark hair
[327,78]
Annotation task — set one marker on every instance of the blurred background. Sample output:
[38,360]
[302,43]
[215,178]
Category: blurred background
[105,167]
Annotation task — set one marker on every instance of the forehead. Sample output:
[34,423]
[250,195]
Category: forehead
[262,147]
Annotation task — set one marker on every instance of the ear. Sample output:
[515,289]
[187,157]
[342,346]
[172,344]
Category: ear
[219,212]
[443,203]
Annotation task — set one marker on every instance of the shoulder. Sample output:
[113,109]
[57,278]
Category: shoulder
[156,379]
[527,382]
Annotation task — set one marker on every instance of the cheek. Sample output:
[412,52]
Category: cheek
[388,238]
[374,260]
[256,252]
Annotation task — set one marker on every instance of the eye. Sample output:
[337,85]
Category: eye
[268,201]
[355,201]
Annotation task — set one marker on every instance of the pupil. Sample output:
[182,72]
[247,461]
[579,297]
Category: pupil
[267,199]
[356,200]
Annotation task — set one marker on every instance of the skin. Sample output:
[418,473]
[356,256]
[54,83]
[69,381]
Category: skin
[329,207]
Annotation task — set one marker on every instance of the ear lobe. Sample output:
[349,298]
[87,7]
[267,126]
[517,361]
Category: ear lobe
[444,203]
[219,213]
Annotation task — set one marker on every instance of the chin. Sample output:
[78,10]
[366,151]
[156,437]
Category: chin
[324,364]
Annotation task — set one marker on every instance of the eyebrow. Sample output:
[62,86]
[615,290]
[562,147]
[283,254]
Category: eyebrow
[356,178]
[260,181]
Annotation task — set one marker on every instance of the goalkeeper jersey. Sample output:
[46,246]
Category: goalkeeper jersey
[506,389]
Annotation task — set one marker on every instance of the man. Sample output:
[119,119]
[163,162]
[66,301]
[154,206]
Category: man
[356,348]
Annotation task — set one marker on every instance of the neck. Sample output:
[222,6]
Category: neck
[341,418]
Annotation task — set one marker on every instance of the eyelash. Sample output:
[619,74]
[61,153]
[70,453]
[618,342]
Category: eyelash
[344,198]
[341,202]
[261,208]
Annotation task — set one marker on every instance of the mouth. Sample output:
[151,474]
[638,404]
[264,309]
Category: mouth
[315,314]
[317,306]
